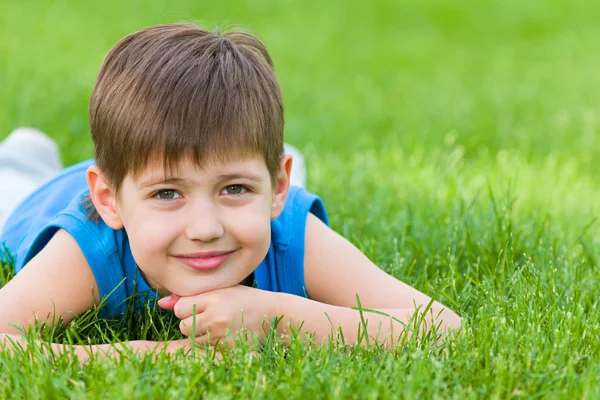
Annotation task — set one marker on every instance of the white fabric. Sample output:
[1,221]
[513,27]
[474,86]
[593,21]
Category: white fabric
[28,158]
[298,176]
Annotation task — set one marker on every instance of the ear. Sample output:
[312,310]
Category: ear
[104,199]
[282,185]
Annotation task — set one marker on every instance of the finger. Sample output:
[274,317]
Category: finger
[168,303]
[183,344]
[193,326]
[208,339]
[199,350]
[187,306]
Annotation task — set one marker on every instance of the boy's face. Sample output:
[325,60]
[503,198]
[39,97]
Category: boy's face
[203,228]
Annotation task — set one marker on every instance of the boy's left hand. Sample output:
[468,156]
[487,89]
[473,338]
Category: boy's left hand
[222,311]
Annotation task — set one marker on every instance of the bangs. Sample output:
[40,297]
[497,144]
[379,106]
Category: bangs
[207,123]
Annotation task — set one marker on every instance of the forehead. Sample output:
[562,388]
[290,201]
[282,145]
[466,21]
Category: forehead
[253,167]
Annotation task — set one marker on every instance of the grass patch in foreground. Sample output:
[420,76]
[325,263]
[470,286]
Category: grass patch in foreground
[528,295]
[34,371]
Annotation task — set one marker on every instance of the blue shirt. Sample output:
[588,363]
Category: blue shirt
[59,205]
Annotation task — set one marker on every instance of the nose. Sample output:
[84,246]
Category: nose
[204,223]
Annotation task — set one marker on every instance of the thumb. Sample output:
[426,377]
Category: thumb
[168,303]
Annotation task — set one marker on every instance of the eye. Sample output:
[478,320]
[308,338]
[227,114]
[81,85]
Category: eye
[234,189]
[167,194]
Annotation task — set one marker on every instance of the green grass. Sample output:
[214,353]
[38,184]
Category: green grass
[455,143]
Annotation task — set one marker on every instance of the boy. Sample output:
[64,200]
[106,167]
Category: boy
[189,198]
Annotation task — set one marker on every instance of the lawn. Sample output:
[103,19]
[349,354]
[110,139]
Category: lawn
[455,143]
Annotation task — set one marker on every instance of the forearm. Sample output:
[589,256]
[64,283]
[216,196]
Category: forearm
[328,321]
[13,342]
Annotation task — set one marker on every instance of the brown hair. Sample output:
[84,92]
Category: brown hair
[177,90]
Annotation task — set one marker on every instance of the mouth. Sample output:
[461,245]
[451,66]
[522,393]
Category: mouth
[205,261]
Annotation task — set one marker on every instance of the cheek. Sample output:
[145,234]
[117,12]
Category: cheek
[251,227]
[149,234]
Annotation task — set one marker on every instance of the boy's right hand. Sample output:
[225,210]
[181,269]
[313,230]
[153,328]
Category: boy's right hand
[212,316]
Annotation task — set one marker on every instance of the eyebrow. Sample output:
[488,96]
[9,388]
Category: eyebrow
[160,181]
[171,180]
[233,176]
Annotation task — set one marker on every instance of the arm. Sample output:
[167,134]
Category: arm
[11,343]
[57,282]
[335,272]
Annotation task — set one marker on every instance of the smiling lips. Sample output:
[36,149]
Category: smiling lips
[206,260]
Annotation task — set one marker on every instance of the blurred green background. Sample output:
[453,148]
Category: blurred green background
[489,76]
[411,101]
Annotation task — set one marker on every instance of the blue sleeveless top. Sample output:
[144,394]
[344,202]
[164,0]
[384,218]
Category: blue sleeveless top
[59,205]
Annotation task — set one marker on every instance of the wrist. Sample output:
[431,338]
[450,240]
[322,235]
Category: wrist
[281,306]
[274,307]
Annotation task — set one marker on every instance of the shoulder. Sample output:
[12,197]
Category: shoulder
[283,268]
[102,247]
[289,227]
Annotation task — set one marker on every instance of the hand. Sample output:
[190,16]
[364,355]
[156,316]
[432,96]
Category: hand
[223,311]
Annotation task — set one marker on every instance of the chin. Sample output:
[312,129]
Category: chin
[199,285]
[192,291]
[189,292]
